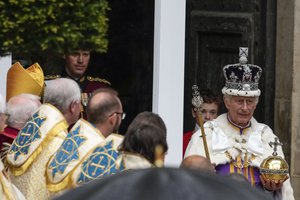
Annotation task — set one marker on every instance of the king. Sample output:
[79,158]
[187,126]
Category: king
[236,142]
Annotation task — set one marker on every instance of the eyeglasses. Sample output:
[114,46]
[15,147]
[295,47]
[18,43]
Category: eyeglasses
[123,114]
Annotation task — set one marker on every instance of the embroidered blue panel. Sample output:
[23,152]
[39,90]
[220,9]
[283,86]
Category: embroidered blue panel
[27,135]
[101,163]
[67,152]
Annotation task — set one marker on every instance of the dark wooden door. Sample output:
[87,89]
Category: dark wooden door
[215,31]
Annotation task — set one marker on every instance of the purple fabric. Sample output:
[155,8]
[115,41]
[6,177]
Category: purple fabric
[225,169]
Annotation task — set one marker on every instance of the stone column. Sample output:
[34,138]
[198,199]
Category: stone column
[295,106]
[287,92]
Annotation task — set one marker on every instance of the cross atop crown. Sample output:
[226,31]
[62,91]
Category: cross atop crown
[243,53]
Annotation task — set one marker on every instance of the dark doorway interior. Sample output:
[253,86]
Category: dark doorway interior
[128,64]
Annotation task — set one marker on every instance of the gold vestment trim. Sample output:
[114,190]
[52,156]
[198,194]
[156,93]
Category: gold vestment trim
[55,130]
[67,182]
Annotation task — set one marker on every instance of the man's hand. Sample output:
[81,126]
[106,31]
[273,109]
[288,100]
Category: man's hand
[271,185]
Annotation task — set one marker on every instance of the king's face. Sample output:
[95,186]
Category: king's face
[241,109]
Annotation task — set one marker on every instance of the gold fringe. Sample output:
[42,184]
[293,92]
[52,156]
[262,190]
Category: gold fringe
[246,172]
[55,130]
[231,168]
[252,176]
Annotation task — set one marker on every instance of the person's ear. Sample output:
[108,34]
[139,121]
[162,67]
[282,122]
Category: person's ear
[226,102]
[74,106]
[112,119]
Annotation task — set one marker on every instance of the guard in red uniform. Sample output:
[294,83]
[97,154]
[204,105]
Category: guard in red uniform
[76,65]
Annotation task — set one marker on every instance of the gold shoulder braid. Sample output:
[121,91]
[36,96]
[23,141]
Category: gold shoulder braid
[51,77]
[97,79]
[82,79]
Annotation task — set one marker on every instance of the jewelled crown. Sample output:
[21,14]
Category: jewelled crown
[242,79]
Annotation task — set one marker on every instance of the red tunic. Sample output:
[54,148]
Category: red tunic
[186,139]
[8,135]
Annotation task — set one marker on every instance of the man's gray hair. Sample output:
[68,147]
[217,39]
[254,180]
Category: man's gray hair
[2,104]
[20,108]
[61,92]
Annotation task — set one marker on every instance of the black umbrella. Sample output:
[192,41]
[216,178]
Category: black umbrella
[165,184]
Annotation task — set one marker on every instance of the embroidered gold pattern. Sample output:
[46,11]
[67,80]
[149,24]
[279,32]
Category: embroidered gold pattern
[101,80]
[51,77]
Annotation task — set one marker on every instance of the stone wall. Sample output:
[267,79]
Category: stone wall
[287,92]
[295,106]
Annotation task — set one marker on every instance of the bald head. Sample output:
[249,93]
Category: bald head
[102,104]
[105,111]
[198,163]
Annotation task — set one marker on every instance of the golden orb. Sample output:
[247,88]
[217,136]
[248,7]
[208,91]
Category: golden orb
[274,168]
